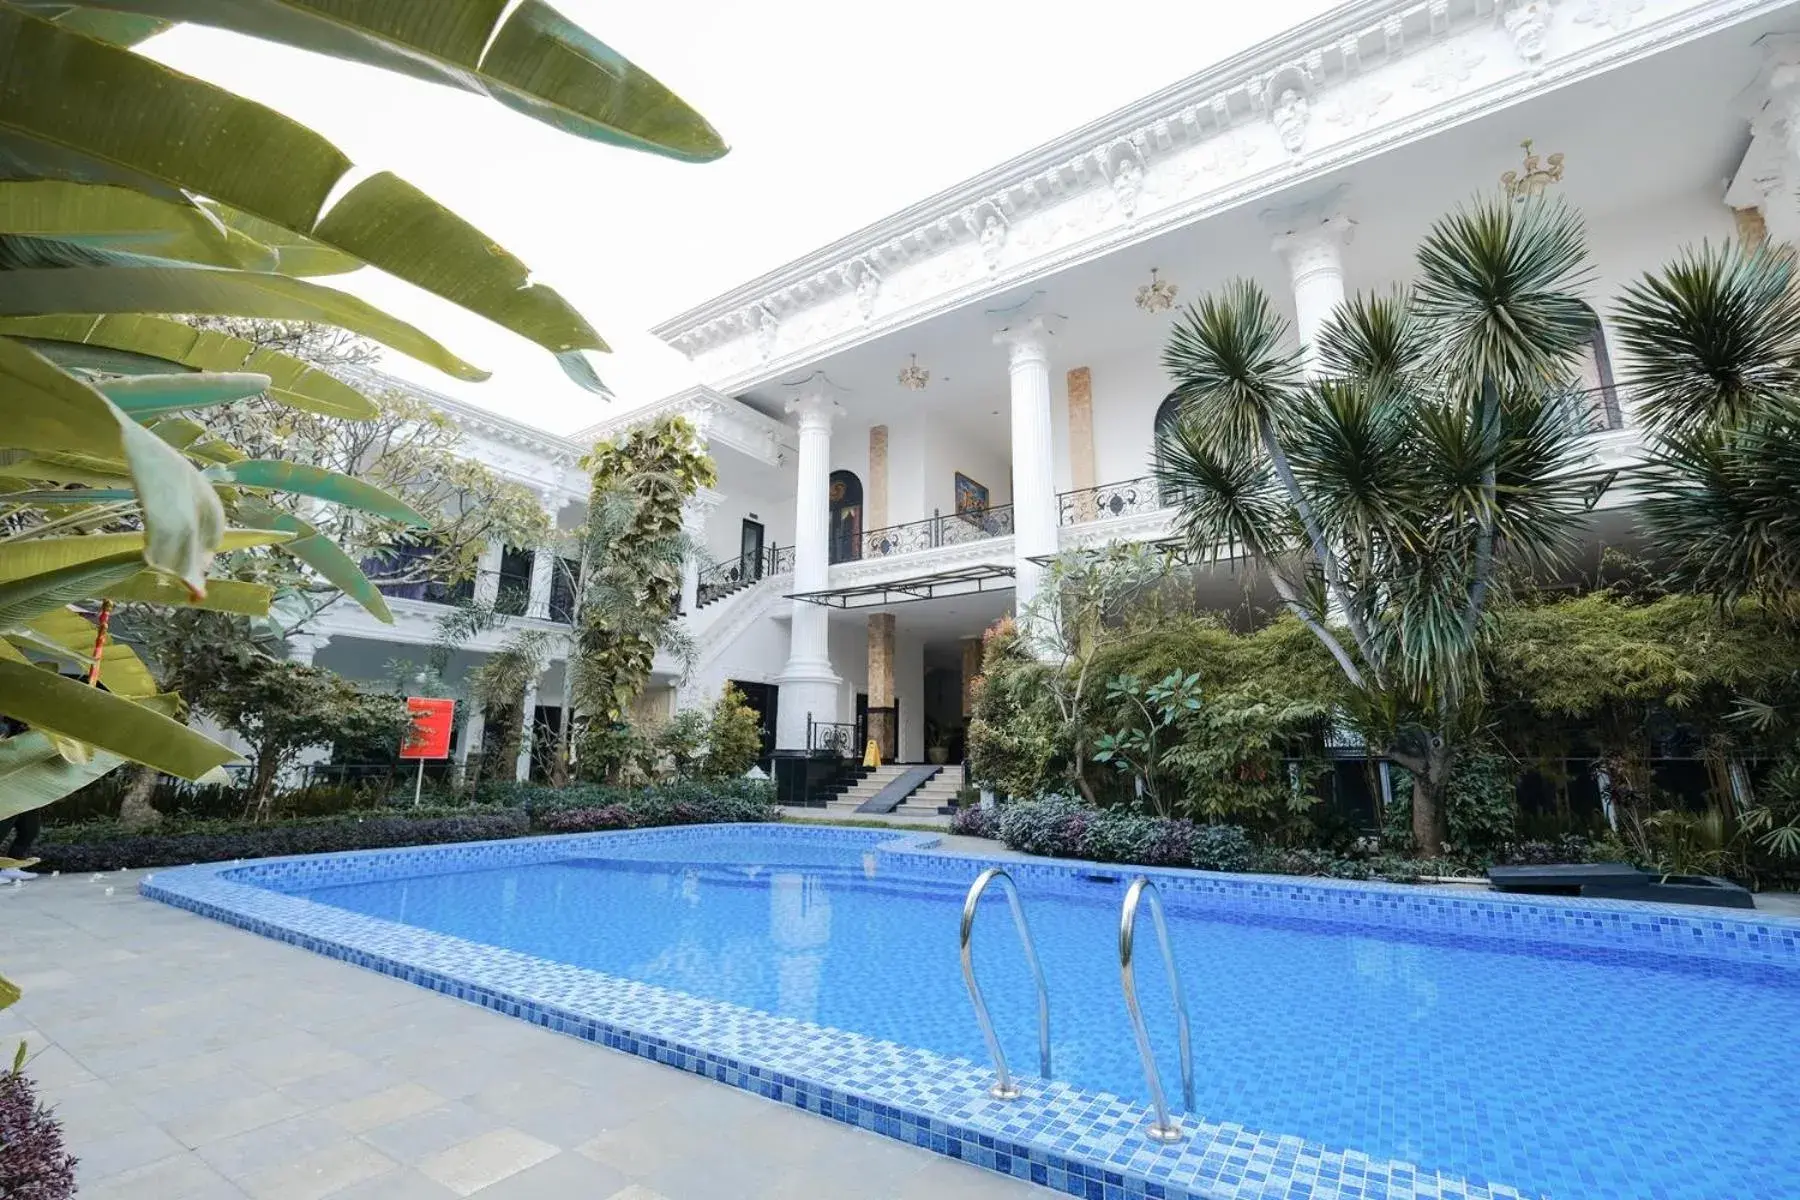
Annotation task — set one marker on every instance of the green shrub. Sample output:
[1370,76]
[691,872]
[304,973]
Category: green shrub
[1059,827]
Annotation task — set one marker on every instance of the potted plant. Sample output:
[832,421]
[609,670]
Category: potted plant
[937,746]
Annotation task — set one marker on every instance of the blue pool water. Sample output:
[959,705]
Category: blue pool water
[1566,1073]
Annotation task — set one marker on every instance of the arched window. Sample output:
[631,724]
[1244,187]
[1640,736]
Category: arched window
[846,516]
[1167,413]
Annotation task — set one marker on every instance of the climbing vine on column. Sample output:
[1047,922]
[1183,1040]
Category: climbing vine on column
[631,556]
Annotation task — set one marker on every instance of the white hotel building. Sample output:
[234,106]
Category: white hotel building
[872,519]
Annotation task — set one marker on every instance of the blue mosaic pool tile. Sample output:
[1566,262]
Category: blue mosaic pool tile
[1079,1143]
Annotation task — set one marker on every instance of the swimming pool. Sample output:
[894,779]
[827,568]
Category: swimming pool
[1359,1040]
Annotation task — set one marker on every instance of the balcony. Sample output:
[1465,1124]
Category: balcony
[1109,501]
[933,533]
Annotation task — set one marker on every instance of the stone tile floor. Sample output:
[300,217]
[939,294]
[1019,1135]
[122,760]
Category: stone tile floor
[192,1061]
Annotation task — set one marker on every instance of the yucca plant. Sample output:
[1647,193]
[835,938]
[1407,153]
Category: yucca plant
[1386,500]
[1714,346]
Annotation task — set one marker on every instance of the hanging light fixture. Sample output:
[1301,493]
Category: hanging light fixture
[1156,296]
[1533,175]
[913,377]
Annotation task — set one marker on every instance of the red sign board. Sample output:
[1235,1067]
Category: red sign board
[430,733]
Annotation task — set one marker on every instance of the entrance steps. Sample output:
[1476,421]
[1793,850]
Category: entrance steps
[937,795]
[865,788]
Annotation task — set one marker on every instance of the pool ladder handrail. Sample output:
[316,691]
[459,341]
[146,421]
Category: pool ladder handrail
[1165,1128]
[1005,1088]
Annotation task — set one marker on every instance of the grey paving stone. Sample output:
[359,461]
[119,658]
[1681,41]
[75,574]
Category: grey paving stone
[563,1176]
[413,1139]
[110,1154]
[178,1177]
[384,1107]
[210,1120]
[470,1166]
[403,1183]
[323,1172]
[271,1146]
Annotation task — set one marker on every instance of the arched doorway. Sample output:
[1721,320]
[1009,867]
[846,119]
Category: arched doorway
[1167,413]
[846,516]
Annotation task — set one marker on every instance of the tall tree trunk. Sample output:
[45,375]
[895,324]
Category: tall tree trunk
[262,784]
[1430,822]
[135,811]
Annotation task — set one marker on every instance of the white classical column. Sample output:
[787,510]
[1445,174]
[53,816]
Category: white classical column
[1314,249]
[543,560]
[809,687]
[528,734]
[487,577]
[694,515]
[1033,473]
[474,729]
[304,647]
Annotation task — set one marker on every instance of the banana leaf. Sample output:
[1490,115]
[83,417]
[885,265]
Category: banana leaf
[122,672]
[119,219]
[51,410]
[214,291]
[321,484]
[73,108]
[222,595]
[53,704]
[325,556]
[21,560]
[537,62]
[144,397]
[290,253]
[135,344]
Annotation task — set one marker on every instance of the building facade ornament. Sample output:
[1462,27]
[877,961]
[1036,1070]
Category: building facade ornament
[1526,22]
[1616,15]
[768,328]
[1127,177]
[1377,75]
[868,288]
[1446,68]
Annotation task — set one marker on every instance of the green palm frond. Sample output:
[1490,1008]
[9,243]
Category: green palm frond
[1232,364]
[1372,337]
[1229,501]
[1724,504]
[1351,446]
[1541,488]
[1498,289]
[1715,336]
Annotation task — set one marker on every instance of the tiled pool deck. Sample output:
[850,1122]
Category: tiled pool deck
[190,1060]
[1080,1143]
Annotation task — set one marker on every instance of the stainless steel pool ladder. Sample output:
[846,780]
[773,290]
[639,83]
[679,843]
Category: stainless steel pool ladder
[1165,1128]
[1004,1088]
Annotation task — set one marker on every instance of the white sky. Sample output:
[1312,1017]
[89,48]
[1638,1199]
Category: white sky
[838,114]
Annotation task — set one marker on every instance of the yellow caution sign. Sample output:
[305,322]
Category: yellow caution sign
[872,756]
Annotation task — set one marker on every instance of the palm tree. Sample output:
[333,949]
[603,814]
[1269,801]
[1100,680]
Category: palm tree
[1714,341]
[1385,500]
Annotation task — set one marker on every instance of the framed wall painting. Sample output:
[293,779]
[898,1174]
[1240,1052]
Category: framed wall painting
[971,497]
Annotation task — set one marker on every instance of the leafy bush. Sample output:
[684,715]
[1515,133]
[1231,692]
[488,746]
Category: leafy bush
[976,821]
[585,820]
[673,804]
[1059,827]
[33,1163]
[224,842]
[1481,804]
[733,736]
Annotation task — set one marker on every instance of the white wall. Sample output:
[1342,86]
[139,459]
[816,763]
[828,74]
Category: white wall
[724,527]
[949,449]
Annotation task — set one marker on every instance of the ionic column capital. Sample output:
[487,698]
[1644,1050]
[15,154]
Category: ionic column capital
[815,411]
[1028,339]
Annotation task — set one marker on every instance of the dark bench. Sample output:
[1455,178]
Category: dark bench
[1619,881]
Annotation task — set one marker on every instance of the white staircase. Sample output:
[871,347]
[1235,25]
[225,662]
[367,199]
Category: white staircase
[866,787]
[937,792]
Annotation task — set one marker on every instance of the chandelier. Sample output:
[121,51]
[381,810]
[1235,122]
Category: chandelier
[913,377]
[1533,176]
[1156,296]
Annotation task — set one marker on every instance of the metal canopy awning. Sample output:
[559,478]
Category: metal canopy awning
[964,581]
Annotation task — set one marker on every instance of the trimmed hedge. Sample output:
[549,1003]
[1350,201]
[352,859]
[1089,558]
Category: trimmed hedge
[374,832]
[1063,828]
[108,846]
[1058,827]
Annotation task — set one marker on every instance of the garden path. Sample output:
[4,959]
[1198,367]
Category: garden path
[189,1060]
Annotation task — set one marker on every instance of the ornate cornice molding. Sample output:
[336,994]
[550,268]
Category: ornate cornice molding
[719,419]
[1333,91]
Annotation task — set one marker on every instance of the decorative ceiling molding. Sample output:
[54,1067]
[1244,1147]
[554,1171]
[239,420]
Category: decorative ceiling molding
[720,419]
[1331,92]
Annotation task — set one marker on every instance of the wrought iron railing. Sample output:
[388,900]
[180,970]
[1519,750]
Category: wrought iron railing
[831,737]
[734,574]
[956,529]
[1109,501]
